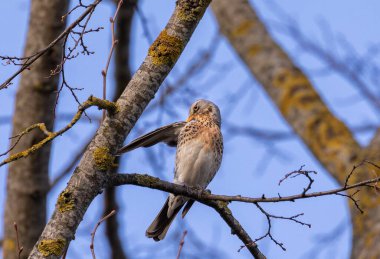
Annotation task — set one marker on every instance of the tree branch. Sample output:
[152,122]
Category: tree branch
[92,173]
[91,101]
[194,193]
[326,136]
[220,202]
[33,58]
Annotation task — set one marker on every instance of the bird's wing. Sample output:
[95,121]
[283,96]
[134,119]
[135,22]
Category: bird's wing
[168,134]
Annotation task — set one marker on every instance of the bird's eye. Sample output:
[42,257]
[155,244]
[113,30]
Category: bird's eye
[196,108]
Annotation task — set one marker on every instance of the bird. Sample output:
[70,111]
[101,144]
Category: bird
[199,153]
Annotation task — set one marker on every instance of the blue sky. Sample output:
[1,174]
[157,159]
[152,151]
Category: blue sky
[250,167]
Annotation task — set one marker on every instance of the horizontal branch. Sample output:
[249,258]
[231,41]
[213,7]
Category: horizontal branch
[220,202]
[91,101]
[202,196]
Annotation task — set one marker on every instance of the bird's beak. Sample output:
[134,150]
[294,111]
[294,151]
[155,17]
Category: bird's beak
[189,118]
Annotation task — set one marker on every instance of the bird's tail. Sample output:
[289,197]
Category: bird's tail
[160,225]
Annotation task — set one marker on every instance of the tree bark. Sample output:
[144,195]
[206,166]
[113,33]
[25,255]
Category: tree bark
[93,171]
[327,137]
[27,182]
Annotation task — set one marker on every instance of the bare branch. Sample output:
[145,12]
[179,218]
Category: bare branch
[20,249]
[92,247]
[194,193]
[113,44]
[220,202]
[269,218]
[91,101]
[31,59]
[304,173]
[181,243]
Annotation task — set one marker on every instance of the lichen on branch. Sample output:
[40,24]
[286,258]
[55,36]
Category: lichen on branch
[91,101]
[165,49]
[50,247]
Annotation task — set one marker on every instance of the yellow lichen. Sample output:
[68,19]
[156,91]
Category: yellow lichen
[91,101]
[243,28]
[65,201]
[30,150]
[103,159]
[369,238]
[9,244]
[254,50]
[146,180]
[48,247]
[295,90]
[190,11]
[224,206]
[165,49]
[111,107]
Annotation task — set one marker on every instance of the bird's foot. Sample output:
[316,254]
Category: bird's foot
[199,190]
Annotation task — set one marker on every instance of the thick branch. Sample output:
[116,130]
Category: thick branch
[326,136]
[91,175]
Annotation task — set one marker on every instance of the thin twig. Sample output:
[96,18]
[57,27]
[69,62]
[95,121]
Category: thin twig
[18,241]
[220,202]
[156,183]
[94,231]
[114,42]
[30,60]
[304,173]
[181,243]
[269,218]
[91,101]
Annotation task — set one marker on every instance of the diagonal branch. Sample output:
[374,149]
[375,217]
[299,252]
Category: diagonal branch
[91,101]
[93,171]
[326,136]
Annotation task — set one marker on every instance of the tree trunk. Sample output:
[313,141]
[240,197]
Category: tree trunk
[27,181]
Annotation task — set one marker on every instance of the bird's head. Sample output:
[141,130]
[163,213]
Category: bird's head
[203,108]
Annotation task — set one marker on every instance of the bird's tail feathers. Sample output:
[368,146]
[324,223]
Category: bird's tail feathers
[160,225]
[187,208]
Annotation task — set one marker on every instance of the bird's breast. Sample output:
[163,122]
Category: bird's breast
[197,158]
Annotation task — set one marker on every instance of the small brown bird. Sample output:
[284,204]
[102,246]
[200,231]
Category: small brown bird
[199,153]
